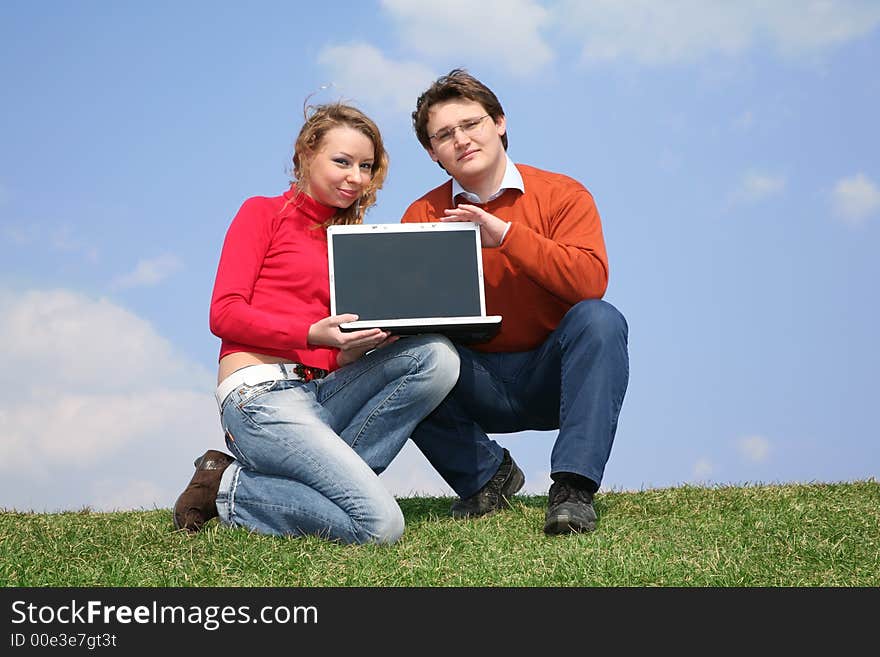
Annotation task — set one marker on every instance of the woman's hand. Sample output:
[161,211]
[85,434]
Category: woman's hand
[353,345]
[491,227]
[349,355]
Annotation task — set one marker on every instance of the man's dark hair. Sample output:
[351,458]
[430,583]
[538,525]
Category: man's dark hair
[456,84]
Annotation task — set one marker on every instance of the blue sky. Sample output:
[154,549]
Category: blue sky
[732,148]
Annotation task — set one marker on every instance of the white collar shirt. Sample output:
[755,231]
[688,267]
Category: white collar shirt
[512,179]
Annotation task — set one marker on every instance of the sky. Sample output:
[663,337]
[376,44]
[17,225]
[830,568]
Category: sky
[732,149]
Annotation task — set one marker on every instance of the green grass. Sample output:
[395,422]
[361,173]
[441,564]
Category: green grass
[755,535]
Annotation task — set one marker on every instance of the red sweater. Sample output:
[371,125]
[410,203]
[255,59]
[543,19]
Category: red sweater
[552,257]
[272,281]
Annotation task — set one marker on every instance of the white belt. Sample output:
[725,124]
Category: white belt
[254,374]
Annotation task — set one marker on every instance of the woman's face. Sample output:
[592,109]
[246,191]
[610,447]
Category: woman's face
[341,167]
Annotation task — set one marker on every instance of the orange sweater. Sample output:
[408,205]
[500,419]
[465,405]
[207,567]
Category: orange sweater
[552,257]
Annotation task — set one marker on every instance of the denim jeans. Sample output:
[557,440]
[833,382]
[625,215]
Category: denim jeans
[308,455]
[575,382]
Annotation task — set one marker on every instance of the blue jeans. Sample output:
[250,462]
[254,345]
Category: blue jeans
[575,382]
[308,455]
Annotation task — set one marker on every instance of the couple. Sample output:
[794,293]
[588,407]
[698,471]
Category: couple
[312,415]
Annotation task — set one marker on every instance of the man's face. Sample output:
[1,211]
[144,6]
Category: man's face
[466,141]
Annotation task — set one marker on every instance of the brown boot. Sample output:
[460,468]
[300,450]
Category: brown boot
[197,503]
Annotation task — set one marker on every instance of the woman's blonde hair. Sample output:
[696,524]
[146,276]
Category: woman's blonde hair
[319,119]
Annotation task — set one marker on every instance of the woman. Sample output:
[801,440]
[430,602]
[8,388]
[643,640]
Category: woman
[311,414]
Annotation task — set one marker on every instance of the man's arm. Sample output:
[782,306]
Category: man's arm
[567,257]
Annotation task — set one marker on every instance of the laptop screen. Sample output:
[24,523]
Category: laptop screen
[404,271]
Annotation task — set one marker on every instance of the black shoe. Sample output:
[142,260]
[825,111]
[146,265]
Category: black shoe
[569,510]
[495,495]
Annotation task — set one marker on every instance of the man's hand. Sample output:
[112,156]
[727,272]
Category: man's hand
[491,227]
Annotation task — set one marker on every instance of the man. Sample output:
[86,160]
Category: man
[560,360]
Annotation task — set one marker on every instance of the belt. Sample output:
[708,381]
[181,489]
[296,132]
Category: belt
[254,374]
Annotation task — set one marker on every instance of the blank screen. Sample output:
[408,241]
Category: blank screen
[406,275]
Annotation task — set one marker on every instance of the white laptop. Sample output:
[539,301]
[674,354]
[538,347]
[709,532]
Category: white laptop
[410,278]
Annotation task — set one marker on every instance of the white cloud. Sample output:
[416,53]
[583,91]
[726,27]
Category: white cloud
[150,272]
[538,481]
[798,27]
[856,198]
[62,238]
[759,186]
[56,427]
[57,238]
[103,411]
[655,33]
[362,71]
[17,234]
[504,33]
[410,475]
[113,493]
[703,469]
[754,448]
[73,340]
[745,121]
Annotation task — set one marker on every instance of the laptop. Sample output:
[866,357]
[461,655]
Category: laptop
[410,278]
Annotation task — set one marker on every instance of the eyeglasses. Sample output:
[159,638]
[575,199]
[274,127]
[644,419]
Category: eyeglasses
[469,127]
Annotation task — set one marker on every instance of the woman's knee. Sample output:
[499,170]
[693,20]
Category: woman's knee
[392,529]
[438,357]
[385,528]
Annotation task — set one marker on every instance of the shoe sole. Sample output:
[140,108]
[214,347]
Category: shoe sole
[566,524]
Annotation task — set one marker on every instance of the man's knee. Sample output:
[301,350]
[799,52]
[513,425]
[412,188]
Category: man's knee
[597,318]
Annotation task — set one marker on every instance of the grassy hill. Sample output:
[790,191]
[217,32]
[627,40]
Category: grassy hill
[754,535]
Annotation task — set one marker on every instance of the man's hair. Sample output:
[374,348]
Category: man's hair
[457,84]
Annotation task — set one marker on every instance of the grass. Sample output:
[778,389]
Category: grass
[804,535]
